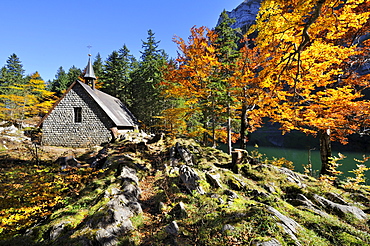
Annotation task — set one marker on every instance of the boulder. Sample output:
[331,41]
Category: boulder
[231,194]
[214,180]
[292,176]
[67,161]
[128,174]
[289,225]
[112,220]
[339,209]
[304,202]
[135,207]
[156,138]
[190,178]
[100,159]
[179,211]
[336,198]
[132,192]
[272,242]
[236,183]
[185,154]
[173,229]
[258,194]
[57,230]
[227,227]
[270,188]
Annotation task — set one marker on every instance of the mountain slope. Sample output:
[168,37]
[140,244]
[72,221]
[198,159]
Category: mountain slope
[176,192]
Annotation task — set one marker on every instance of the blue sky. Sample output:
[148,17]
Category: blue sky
[47,34]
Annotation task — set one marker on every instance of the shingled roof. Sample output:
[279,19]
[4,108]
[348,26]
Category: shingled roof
[112,106]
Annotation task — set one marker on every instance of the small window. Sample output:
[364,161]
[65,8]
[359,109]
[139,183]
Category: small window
[78,114]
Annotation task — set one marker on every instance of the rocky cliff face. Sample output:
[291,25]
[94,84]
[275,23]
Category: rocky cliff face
[245,14]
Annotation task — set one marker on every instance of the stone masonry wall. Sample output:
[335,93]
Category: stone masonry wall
[60,129]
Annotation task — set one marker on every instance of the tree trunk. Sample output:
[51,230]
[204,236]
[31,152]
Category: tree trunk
[229,144]
[213,125]
[325,151]
[243,127]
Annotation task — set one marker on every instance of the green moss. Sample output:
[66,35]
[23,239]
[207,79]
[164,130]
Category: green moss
[345,238]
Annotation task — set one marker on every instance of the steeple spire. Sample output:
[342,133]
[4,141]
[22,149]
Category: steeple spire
[90,75]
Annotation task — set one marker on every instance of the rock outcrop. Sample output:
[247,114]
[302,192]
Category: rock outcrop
[245,14]
[207,203]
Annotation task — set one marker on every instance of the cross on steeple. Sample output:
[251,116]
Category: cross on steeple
[89,47]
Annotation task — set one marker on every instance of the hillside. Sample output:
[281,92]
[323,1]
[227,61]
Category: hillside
[176,192]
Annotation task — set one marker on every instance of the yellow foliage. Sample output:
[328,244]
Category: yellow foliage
[308,73]
[31,192]
[31,99]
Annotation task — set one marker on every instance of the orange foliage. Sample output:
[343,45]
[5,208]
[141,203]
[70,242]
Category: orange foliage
[310,74]
[192,82]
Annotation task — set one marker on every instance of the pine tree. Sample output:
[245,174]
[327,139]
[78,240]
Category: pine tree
[12,74]
[112,73]
[3,80]
[60,83]
[98,66]
[98,70]
[12,77]
[73,74]
[116,75]
[147,100]
[129,64]
[227,54]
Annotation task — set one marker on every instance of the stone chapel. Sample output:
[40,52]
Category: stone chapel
[85,116]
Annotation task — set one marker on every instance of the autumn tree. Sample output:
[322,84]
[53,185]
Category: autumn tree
[314,49]
[194,79]
[38,98]
[27,100]
[249,89]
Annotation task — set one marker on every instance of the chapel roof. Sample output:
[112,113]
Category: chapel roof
[112,106]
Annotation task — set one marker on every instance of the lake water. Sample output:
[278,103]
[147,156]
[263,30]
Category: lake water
[300,157]
[294,146]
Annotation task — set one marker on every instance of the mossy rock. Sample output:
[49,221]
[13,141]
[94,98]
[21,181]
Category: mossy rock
[236,184]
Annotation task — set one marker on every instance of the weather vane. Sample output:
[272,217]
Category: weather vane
[89,47]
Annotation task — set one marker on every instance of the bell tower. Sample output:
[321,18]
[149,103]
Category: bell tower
[89,74]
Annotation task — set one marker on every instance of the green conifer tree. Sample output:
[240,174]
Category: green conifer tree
[227,54]
[12,74]
[116,75]
[73,74]
[60,83]
[98,66]
[147,100]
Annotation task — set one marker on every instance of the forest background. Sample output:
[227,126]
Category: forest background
[298,67]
